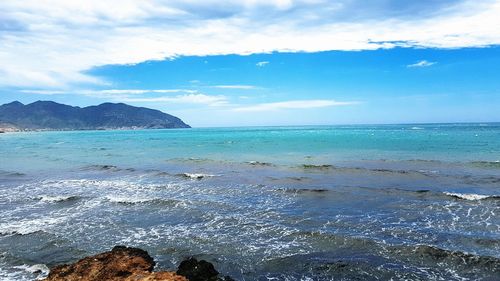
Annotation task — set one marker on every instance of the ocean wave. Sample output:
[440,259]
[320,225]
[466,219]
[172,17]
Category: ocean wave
[162,174]
[316,167]
[11,174]
[303,190]
[326,167]
[192,160]
[94,184]
[41,270]
[428,192]
[197,176]
[128,200]
[258,163]
[111,168]
[57,198]
[28,226]
[486,164]
[471,196]
[144,200]
[290,179]
[99,167]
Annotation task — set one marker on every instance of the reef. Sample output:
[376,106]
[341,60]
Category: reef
[131,264]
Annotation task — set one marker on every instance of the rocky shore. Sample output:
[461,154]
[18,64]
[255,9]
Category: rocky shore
[131,264]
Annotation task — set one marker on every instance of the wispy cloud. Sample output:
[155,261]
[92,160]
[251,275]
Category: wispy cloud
[52,45]
[262,63]
[235,87]
[422,63]
[294,104]
[45,92]
[144,95]
[108,92]
[203,99]
[144,91]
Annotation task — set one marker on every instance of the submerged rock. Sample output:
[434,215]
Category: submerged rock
[458,258]
[120,264]
[195,270]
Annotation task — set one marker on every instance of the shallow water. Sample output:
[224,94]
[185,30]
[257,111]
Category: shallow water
[400,202]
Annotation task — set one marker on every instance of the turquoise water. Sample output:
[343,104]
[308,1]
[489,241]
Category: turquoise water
[282,145]
[292,203]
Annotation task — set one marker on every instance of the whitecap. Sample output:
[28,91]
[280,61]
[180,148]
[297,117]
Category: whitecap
[40,269]
[471,196]
[128,200]
[27,226]
[258,163]
[198,176]
[57,198]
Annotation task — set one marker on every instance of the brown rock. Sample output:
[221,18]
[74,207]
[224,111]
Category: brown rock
[120,264]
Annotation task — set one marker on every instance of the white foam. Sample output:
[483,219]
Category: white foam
[54,199]
[104,184]
[128,200]
[40,269]
[416,128]
[27,226]
[197,176]
[470,196]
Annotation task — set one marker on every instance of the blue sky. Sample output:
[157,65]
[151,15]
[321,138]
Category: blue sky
[259,62]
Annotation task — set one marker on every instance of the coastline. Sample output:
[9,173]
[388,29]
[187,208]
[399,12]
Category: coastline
[18,130]
[133,264]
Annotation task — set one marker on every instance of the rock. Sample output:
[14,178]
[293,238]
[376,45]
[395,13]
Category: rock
[195,270]
[457,258]
[120,264]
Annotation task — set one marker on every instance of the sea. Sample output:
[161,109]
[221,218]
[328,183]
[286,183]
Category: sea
[360,202]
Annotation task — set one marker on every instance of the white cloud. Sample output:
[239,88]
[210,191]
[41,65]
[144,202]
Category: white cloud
[422,63]
[295,104]
[109,92]
[142,91]
[262,63]
[235,87]
[44,92]
[52,44]
[143,95]
[185,99]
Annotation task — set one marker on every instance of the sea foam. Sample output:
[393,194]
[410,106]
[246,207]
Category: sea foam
[471,196]
[197,176]
[27,226]
[56,199]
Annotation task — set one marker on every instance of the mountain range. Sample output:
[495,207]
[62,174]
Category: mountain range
[49,115]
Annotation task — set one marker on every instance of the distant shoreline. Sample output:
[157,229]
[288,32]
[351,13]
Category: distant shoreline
[12,129]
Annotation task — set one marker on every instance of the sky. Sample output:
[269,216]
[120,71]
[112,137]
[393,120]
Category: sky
[259,63]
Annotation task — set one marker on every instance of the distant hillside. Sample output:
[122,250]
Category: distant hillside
[48,115]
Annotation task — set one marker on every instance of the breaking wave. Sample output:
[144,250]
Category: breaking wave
[471,196]
[197,176]
[27,226]
[144,200]
[60,198]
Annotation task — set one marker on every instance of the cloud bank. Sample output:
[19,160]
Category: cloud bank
[53,43]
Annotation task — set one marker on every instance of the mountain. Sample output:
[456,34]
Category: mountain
[49,115]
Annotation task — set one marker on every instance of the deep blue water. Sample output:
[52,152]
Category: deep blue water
[290,203]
